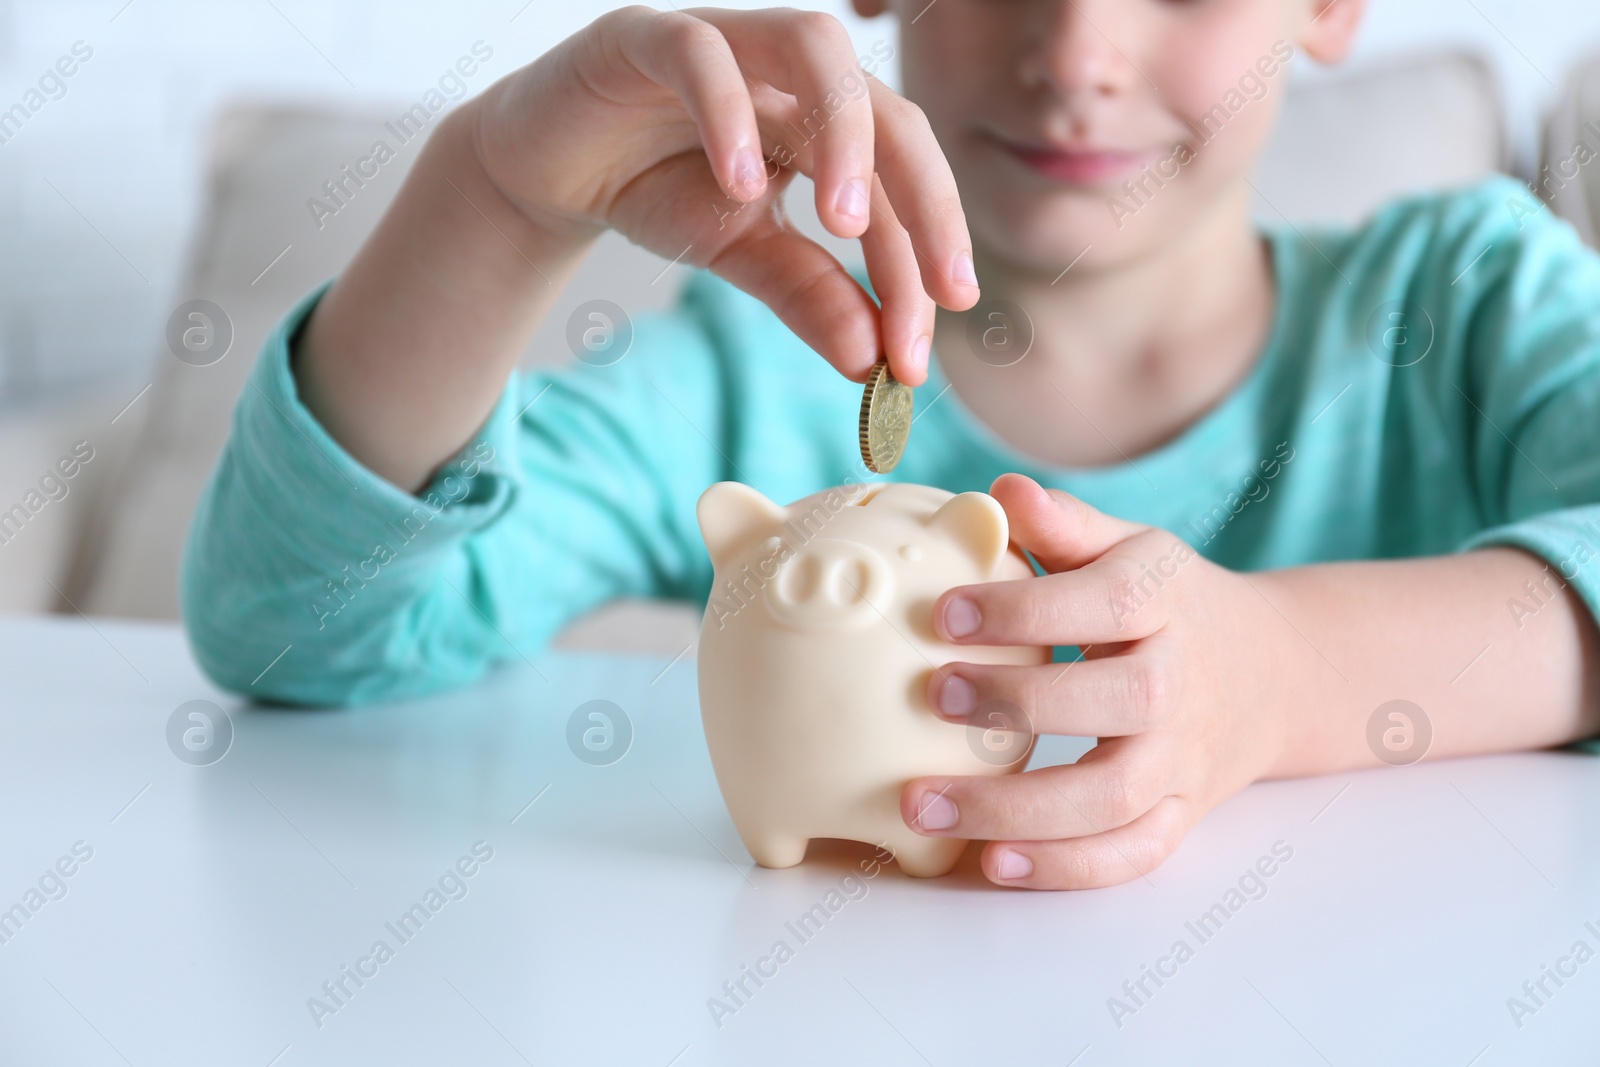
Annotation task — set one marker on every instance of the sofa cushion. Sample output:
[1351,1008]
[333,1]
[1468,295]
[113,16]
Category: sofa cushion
[1572,152]
[1345,144]
[44,515]
[263,243]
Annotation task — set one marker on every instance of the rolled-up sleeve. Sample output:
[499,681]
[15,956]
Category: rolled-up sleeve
[1532,396]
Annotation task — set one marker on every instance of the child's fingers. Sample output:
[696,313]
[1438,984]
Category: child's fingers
[691,57]
[919,183]
[907,313]
[915,179]
[1088,797]
[737,74]
[808,289]
[677,207]
[1108,858]
[892,263]
[809,55]
[1112,599]
[1111,696]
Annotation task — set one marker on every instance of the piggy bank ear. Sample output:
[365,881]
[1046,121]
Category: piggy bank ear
[732,515]
[977,522]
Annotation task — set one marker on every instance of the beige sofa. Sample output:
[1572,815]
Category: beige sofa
[1572,152]
[112,545]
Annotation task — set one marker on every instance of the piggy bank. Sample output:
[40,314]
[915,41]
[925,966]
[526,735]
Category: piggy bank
[815,654]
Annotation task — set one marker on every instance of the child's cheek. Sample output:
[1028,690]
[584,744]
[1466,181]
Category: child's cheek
[1215,54]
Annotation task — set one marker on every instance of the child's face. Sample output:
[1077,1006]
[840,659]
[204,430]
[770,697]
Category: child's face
[1048,109]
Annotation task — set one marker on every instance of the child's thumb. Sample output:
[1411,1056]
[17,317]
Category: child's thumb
[1060,530]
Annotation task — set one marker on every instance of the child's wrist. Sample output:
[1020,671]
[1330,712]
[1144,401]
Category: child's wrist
[1294,709]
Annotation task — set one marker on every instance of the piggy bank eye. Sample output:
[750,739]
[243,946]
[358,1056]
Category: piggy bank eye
[910,553]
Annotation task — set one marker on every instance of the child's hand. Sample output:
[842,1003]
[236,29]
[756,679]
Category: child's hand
[1183,682]
[654,123]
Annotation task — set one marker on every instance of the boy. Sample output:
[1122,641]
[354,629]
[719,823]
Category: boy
[1198,400]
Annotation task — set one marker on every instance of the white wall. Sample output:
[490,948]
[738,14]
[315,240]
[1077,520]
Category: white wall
[100,190]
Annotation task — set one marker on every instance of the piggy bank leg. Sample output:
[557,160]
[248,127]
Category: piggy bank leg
[926,857]
[771,849]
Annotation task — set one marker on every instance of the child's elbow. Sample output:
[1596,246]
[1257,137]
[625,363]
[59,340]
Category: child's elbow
[235,657]
[246,641]
[253,644]
[265,627]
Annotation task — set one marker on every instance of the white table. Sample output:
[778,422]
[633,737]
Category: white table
[219,898]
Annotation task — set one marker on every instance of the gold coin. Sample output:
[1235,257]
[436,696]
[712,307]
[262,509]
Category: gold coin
[885,419]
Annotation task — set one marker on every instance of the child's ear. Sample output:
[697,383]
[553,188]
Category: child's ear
[977,521]
[1331,33]
[731,516]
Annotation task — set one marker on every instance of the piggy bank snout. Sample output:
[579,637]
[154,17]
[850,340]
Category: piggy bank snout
[829,584]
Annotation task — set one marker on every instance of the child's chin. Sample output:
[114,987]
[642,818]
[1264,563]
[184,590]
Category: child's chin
[1049,236]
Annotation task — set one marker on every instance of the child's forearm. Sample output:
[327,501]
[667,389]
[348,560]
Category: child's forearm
[408,351]
[1441,634]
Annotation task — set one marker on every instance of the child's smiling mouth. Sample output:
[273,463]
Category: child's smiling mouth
[1079,164]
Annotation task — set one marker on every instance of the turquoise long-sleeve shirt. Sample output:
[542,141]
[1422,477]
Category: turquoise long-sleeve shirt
[1431,384]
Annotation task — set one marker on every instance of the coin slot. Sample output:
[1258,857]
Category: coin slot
[866,497]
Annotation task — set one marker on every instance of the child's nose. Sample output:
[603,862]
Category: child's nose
[1071,50]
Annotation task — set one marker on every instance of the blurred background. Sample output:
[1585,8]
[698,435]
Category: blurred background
[177,160]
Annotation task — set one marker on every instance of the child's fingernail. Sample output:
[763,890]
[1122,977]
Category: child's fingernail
[961,270]
[1014,865]
[919,352]
[961,617]
[957,696]
[936,812]
[852,199]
